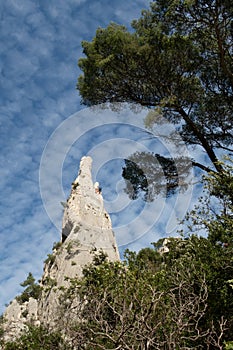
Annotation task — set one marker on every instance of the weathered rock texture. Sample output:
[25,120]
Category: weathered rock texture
[86,228]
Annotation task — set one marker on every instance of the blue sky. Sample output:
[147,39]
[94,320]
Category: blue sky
[40,153]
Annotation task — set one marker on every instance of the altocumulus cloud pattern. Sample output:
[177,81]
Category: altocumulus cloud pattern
[40,46]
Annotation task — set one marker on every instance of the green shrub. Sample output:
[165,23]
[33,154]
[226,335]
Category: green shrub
[50,259]
[37,338]
[32,290]
[57,245]
[229,345]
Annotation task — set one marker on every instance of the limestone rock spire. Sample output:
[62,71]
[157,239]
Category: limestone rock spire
[85,218]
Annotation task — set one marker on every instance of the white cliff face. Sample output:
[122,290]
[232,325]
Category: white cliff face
[85,218]
[17,315]
[86,227]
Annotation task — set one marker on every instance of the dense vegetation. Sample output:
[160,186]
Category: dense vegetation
[37,338]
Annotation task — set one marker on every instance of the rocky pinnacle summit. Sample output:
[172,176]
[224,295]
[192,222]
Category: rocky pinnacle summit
[85,218]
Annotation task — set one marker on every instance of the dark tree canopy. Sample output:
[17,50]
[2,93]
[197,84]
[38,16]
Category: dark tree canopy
[178,61]
[155,175]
